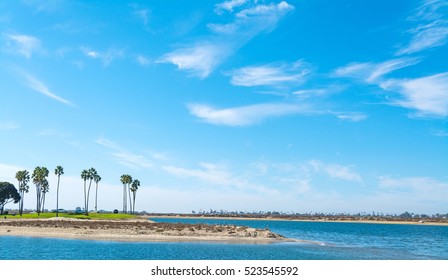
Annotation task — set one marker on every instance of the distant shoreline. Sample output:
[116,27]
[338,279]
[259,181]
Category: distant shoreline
[301,219]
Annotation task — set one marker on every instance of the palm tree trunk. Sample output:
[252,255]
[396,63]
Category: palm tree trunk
[42,203]
[38,198]
[88,196]
[57,198]
[85,197]
[124,199]
[22,194]
[133,204]
[130,198]
[96,198]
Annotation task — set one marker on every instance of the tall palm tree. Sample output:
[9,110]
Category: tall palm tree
[134,188]
[39,176]
[58,171]
[45,188]
[97,179]
[23,177]
[85,177]
[125,179]
[91,174]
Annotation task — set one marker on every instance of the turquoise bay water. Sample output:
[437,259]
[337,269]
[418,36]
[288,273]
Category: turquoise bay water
[335,241]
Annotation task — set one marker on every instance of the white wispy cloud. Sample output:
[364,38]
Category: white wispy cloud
[50,132]
[142,60]
[209,173]
[203,56]
[310,92]
[125,157]
[432,28]
[229,5]
[48,6]
[253,20]
[269,74]
[440,133]
[198,60]
[427,95]
[371,72]
[143,14]
[8,171]
[21,44]
[106,57]
[320,91]
[8,125]
[352,116]
[245,115]
[221,176]
[262,9]
[336,171]
[426,185]
[40,87]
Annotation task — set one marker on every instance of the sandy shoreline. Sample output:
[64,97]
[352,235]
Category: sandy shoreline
[136,231]
[302,220]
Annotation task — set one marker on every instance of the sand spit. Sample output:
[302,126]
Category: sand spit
[136,231]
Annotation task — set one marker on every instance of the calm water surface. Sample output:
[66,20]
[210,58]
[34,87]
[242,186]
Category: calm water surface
[335,241]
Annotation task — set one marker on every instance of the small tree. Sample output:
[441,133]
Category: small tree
[8,193]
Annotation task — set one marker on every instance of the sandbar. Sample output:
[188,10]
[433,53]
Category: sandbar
[138,230]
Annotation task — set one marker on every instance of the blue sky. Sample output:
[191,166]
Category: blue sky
[300,105]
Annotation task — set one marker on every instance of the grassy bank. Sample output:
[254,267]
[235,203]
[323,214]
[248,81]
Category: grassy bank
[95,216]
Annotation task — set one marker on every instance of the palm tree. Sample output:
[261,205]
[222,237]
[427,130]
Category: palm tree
[23,177]
[134,188]
[85,177]
[45,188]
[58,171]
[125,179]
[92,173]
[97,179]
[39,176]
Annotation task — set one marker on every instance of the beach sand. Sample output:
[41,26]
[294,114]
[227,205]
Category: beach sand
[136,231]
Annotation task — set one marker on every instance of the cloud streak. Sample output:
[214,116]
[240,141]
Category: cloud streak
[427,95]
[228,6]
[371,72]
[209,173]
[203,56]
[335,171]
[198,60]
[8,125]
[106,57]
[269,75]
[245,115]
[432,28]
[21,44]
[125,157]
[40,87]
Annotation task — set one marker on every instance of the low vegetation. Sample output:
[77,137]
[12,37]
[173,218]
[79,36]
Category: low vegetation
[93,216]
